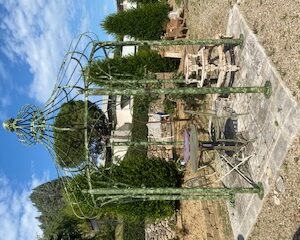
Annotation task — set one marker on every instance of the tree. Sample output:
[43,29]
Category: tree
[63,227]
[55,223]
[57,219]
[48,199]
[69,139]
[146,22]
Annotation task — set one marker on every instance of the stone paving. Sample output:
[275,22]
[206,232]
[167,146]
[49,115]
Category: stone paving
[272,123]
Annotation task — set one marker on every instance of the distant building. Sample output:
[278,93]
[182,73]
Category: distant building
[122,131]
[122,105]
[121,134]
[119,5]
[128,50]
[159,127]
[123,111]
[118,110]
[119,113]
[128,5]
[123,5]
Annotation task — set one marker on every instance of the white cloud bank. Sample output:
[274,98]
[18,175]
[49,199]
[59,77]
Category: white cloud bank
[17,214]
[39,33]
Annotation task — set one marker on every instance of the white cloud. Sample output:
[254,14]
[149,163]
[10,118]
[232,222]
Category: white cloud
[39,33]
[17,214]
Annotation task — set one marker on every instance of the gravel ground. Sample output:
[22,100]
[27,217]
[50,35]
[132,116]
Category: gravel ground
[206,18]
[280,217]
[276,24]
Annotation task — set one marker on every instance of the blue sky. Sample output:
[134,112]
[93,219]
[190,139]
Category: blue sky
[34,37]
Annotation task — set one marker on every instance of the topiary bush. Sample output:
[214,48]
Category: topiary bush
[132,172]
[132,66]
[145,22]
[69,133]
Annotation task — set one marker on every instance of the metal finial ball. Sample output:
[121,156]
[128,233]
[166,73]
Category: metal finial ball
[9,125]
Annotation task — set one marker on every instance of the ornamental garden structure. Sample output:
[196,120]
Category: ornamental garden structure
[73,86]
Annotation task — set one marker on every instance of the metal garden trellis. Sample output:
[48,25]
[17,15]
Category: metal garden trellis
[36,125]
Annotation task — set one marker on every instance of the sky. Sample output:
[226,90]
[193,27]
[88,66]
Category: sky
[34,36]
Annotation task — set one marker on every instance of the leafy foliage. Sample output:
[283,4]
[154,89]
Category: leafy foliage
[169,106]
[145,22]
[145,1]
[132,172]
[139,128]
[63,227]
[132,66]
[69,144]
[48,199]
[55,223]
[57,220]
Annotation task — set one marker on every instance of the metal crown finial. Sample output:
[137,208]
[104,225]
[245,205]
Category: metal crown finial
[9,124]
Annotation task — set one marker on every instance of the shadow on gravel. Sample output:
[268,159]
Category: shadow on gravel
[297,235]
[240,237]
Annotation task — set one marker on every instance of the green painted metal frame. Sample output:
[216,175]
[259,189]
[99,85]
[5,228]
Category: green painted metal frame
[155,193]
[172,193]
[216,41]
[266,90]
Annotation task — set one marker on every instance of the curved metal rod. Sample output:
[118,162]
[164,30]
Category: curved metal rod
[57,88]
[63,69]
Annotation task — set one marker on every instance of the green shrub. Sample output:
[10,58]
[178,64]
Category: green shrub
[139,128]
[132,66]
[148,172]
[169,106]
[145,22]
[145,1]
[69,144]
[133,172]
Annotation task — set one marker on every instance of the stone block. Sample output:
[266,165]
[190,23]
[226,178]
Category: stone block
[291,125]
